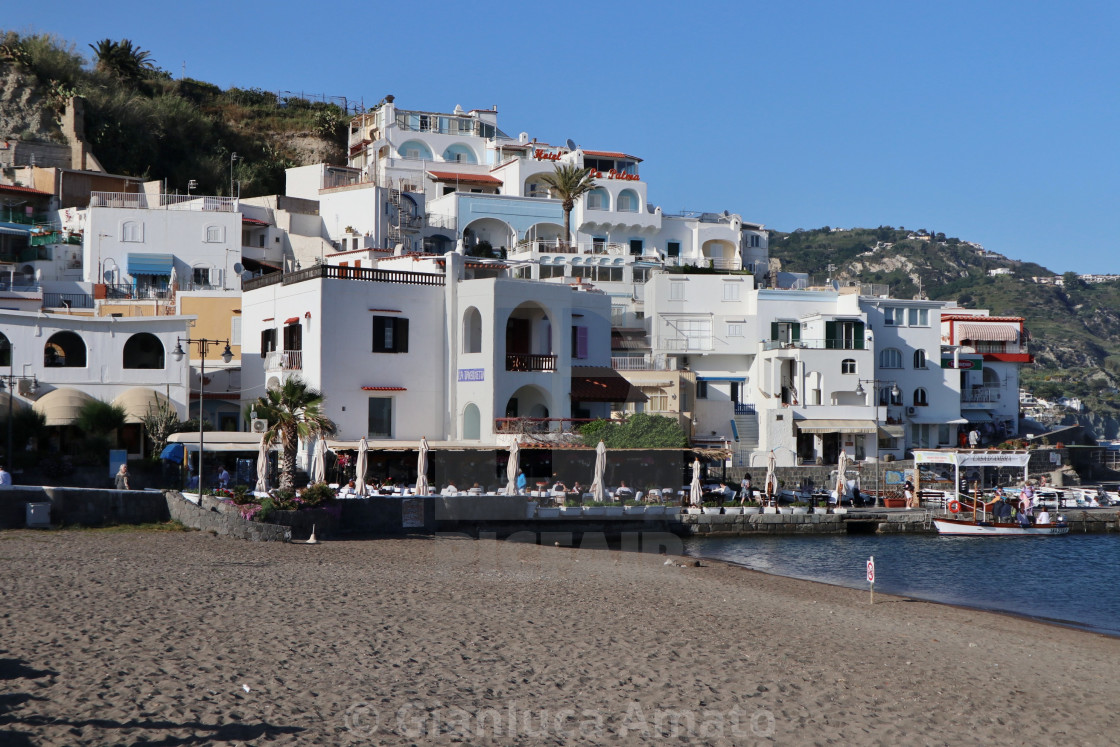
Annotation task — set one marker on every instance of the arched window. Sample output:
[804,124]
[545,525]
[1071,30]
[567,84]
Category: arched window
[459,153]
[214,235]
[472,331]
[919,358]
[848,366]
[920,399]
[627,201]
[143,350]
[64,350]
[887,397]
[991,378]
[598,199]
[132,230]
[415,149]
[890,358]
[472,423]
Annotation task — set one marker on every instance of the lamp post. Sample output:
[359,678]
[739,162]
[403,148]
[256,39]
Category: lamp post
[895,392]
[12,379]
[232,158]
[203,348]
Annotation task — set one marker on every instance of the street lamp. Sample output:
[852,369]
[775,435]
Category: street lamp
[203,348]
[12,379]
[895,393]
[232,158]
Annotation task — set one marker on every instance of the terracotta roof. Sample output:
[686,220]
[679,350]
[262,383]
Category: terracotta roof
[452,176]
[602,384]
[254,221]
[384,389]
[971,318]
[24,190]
[291,320]
[609,154]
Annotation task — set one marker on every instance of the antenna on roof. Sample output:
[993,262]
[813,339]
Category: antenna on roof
[570,143]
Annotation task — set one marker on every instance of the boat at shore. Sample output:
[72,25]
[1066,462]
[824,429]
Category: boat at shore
[981,528]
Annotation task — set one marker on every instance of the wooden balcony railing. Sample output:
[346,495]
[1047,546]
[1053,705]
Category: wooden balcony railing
[530,362]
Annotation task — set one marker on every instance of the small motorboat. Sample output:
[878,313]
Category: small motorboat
[983,528]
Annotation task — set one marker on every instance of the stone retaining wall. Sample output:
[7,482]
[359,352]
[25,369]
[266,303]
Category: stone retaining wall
[83,506]
[731,525]
[223,519]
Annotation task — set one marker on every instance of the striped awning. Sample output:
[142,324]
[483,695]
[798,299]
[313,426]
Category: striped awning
[836,426]
[150,264]
[988,332]
[61,406]
[139,402]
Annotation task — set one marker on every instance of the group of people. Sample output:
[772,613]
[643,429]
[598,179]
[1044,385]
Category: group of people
[1025,511]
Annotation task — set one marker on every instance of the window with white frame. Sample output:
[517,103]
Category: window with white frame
[919,317]
[676,290]
[848,366]
[893,316]
[214,235]
[735,329]
[919,358]
[641,274]
[887,396]
[890,358]
[235,330]
[731,290]
[132,231]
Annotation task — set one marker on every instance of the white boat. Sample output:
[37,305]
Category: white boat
[981,528]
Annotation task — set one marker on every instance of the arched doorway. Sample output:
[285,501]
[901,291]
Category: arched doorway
[529,339]
[143,350]
[722,253]
[472,423]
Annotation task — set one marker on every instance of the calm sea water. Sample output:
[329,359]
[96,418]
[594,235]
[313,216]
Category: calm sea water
[1073,579]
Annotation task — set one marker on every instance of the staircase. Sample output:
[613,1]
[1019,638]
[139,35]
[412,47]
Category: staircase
[746,429]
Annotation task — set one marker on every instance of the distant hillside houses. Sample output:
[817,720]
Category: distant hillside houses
[1088,278]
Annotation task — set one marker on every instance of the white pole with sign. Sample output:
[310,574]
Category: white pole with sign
[871,576]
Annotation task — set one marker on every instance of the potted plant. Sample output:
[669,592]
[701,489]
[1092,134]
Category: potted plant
[595,508]
[613,509]
[548,512]
[751,508]
[732,509]
[634,507]
[712,507]
[800,507]
[571,507]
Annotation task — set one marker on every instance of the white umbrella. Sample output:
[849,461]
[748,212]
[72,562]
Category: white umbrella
[600,470]
[771,478]
[319,461]
[512,468]
[262,467]
[422,468]
[841,482]
[173,280]
[360,467]
[695,492]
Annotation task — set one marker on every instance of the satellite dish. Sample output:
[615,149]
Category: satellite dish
[237,267]
[108,276]
[570,143]
[246,275]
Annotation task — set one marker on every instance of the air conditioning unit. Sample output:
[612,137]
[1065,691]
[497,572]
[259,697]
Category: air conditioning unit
[910,410]
[258,425]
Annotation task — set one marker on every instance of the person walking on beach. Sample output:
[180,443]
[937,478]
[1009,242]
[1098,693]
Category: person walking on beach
[121,478]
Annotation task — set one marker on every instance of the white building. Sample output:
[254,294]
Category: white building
[447,348]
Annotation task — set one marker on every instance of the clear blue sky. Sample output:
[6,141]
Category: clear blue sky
[997,122]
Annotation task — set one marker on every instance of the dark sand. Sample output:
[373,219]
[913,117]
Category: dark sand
[188,639]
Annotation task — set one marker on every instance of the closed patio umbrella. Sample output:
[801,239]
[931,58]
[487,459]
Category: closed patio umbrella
[319,461]
[771,477]
[512,468]
[695,492]
[262,466]
[360,467]
[841,482]
[600,471]
[422,468]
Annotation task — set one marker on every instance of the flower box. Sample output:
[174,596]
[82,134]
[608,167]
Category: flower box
[800,509]
[751,510]
[894,502]
[636,510]
[613,510]
[712,510]
[571,511]
[658,510]
[733,510]
[548,513]
[594,510]
[693,511]
[770,509]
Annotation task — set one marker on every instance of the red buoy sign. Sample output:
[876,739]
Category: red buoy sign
[871,570]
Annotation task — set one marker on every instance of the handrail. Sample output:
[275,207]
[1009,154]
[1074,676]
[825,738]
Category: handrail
[335,272]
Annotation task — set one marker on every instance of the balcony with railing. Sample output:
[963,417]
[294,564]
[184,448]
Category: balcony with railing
[335,272]
[643,363]
[142,201]
[67,301]
[530,362]
[284,360]
[837,343]
[539,425]
[980,395]
[685,344]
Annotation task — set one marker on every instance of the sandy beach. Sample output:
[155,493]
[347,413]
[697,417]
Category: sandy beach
[189,639]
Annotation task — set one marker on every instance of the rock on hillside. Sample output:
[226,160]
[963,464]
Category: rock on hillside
[24,114]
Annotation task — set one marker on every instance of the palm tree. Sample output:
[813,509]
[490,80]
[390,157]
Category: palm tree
[570,183]
[294,411]
[122,59]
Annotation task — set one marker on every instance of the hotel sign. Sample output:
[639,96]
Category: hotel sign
[613,174]
[543,155]
[472,374]
[964,364]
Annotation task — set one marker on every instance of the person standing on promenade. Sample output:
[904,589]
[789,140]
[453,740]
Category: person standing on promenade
[5,479]
[522,482]
[745,491]
[973,438]
[908,491]
[121,478]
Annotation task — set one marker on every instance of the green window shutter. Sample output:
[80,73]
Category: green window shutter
[795,332]
[830,335]
[773,330]
[859,341]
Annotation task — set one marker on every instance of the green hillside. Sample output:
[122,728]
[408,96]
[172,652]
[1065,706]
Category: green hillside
[140,122]
[1075,329]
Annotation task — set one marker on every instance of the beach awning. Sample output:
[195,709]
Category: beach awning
[836,426]
[139,402]
[150,264]
[893,431]
[987,332]
[939,421]
[602,384]
[218,440]
[451,176]
[61,406]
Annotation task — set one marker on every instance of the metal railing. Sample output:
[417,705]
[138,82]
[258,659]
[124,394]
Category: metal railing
[685,344]
[530,362]
[141,201]
[837,343]
[744,408]
[640,363]
[334,272]
[555,246]
[288,360]
[980,394]
[67,301]
[539,425]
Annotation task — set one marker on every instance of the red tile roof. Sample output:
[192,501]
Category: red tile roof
[609,154]
[24,190]
[254,221]
[384,389]
[451,176]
